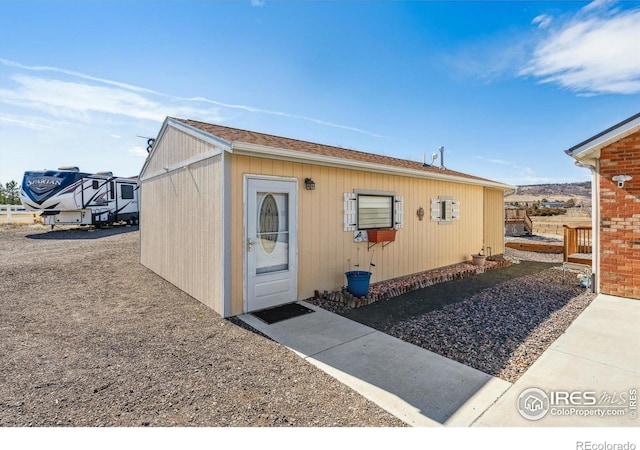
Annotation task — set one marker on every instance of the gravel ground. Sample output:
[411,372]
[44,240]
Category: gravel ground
[92,338]
[503,329]
[514,254]
[534,256]
[498,322]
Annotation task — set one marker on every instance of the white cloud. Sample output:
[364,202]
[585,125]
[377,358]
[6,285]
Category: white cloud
[595,52]
[75,74]
[487,58]
[542,21]
[282,114]
[520,174]
[138,151]
[128,100]
[79,100]
[32,123]
[115,136]
[258,3]
[598,4]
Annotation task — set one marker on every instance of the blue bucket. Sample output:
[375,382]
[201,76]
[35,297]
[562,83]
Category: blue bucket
[358,282]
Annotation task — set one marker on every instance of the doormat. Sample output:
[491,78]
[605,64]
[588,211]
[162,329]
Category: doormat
[283,312]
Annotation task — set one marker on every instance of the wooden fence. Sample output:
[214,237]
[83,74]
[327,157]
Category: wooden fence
[16,214]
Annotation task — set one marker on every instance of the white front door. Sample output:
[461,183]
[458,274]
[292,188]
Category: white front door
[271,250]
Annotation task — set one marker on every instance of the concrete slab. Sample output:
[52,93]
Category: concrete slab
[607,332]
[416,385]
[412,383]
[311,333]
[598,353]
[556,371]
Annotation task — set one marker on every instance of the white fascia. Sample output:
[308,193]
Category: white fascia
[246,149]
[153,149]
[590,151]
[183,164]
[220,145]
[199,134]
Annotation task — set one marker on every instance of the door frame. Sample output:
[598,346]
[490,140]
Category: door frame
[293,212]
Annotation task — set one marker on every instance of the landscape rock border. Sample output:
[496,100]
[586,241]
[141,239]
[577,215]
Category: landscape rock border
[383,290]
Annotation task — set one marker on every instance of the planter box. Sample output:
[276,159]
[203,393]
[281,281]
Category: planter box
[381,235]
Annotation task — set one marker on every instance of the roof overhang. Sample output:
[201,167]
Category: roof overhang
[588,152]
[261,151]
[218,144]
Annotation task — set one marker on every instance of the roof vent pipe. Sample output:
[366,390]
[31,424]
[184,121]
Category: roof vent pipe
[441,157]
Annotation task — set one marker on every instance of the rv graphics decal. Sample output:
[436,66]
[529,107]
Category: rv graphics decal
[40,185]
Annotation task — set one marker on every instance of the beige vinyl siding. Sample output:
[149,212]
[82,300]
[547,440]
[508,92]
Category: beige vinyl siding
[175,147]
[323,246]
[494,220]
[181,219]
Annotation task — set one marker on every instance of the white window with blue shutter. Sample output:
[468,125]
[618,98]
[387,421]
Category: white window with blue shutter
[445,209]
[372,210]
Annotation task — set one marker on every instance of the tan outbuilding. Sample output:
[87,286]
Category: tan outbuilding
[243,221]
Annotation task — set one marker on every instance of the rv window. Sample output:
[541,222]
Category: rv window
[95,184]
[112,190]
[126,191]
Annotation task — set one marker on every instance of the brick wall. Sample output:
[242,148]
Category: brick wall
[620,219]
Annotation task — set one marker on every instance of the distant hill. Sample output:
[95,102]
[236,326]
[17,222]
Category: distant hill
[579,192]
[582,189]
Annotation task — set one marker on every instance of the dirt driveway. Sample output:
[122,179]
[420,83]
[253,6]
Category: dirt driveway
[92,338]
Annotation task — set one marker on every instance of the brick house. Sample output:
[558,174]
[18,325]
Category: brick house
[614,159]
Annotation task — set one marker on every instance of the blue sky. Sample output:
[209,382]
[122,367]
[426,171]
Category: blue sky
[505,87]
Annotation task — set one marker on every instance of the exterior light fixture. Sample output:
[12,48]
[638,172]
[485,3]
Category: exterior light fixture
[420,213]
[621,179]
[309,184]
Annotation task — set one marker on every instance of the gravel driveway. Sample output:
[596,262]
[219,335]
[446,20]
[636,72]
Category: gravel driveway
[92,338]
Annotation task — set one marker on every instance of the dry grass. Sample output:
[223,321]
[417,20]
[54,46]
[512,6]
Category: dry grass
[92,338]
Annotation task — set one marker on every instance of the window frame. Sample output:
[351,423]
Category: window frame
[132,197]
[381,194]
[445,204]
[443,208]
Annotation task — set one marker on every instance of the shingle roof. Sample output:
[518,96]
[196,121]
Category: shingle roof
[251,137]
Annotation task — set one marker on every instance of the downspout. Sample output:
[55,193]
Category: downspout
[595,223]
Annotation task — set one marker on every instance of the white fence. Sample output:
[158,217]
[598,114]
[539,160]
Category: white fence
[17,214]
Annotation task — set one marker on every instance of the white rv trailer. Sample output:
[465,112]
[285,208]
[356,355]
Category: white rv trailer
[69,197]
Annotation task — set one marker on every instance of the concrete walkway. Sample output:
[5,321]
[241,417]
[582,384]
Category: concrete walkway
[414,384]
[598,354]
